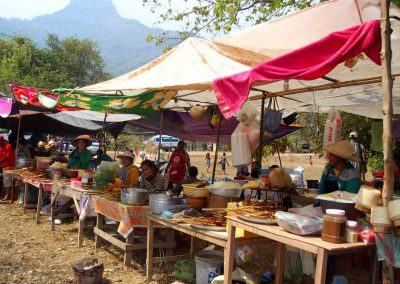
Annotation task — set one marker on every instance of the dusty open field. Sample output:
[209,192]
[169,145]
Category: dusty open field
[31,253]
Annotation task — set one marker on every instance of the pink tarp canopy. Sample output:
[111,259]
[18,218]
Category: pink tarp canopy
[308,63]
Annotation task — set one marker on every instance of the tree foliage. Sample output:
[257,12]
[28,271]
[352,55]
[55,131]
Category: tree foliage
[69,63]
[219,16]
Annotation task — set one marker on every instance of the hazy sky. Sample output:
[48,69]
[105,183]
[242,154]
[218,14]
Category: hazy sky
[28,9]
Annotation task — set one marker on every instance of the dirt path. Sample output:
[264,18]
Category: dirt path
[31,253]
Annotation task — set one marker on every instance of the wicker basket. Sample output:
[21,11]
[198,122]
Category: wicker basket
[197,112]
[367,198]
[394,212]
[380,220]
[195,192]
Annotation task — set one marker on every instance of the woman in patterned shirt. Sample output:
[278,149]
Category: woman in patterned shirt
[151,179]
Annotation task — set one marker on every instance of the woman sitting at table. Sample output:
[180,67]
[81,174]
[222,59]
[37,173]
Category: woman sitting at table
[80,157]
[339,174]
[151,179]
[129,173]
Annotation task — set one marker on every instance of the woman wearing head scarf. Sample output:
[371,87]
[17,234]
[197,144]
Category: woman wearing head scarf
[80,157]
[129,173]
[151,180]
[339,173]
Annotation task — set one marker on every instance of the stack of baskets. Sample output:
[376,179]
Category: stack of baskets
[367,198]
[380,220]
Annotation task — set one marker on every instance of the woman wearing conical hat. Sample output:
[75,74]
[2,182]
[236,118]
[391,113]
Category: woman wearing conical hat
[80,157]
[339,173]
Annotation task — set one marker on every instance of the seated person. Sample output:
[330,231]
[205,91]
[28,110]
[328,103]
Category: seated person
[339,173]
[193,172]
[100,156]
[151,179]
[242,171]
[40,150]
[80,157]
[129,173]
[254,169]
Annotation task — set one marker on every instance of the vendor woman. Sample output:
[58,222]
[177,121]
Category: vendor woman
[129,173]
[151,180]
[80,157]
[339,174]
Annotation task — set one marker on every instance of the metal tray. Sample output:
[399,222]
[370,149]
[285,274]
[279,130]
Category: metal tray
[256,220]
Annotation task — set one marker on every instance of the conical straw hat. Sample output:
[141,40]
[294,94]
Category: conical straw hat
[343,149]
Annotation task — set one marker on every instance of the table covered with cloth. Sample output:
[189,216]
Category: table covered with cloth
[127,215]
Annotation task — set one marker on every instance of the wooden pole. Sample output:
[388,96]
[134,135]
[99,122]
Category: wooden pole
[387,109]
[18,134]
[260,147]
[104,134]
[216,151]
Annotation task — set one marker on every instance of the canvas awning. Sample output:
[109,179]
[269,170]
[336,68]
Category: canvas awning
[312,24]
[192,65]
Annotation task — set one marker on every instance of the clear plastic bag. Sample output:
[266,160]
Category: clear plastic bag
[298,224]
[247,114]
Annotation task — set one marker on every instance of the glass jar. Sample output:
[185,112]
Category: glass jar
[352,231]
[334,226]
[87,177]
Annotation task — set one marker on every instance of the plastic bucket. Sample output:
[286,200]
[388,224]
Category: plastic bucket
[209,264]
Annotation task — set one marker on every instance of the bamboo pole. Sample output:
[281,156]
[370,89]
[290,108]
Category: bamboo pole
[18,134]
[216,151]
[387,109]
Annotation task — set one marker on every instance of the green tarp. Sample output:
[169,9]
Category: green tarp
[145,104]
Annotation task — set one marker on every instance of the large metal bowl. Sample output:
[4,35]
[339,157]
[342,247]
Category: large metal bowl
[159,202]
[134,196]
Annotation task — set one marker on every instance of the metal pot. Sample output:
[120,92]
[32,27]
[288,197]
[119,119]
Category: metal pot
[134,196]
[159,202]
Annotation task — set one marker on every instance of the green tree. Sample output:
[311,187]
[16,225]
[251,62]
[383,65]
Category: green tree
[220,16]
[68,63]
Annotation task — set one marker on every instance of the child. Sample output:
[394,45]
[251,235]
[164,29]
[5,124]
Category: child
[208,161]
[224,161]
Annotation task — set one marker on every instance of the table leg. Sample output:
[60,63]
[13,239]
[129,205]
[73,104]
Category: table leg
[25,194]
[149,259]
[320,272]
[53,202]
[280,262]
[375,266]
[170,238]
[39,204]
[128,253]
[81,225]
[99,225]
[191,246]
[12,191]
[229,253]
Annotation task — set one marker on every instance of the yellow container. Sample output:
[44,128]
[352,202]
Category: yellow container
[195,192]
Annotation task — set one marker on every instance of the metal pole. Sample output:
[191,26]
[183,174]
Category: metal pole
[260,147]
[216,151]
[159,142]
[18,134]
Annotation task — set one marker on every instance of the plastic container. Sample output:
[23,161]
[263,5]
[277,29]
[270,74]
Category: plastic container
[87,177]
[334,226]
[209,264]
[352,231]
[199,203]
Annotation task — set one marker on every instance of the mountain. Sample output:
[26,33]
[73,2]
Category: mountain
[122,42]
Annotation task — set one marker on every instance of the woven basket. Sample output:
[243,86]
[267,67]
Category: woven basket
[195,192]
[394,209]
[380,220]
[368,197]
[197,112]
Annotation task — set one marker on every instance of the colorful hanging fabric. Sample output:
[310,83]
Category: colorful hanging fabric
[145,104]
[37,97]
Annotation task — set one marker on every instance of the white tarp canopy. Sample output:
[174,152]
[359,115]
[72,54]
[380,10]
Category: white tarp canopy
[299,29]
[98,116]
[191,65]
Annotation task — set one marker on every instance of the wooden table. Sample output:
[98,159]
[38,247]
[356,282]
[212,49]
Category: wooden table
[216,238]
[76,195]
[42,186]
[129,218]
[308,243]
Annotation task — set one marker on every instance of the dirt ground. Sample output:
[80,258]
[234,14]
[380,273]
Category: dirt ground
[31,253]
